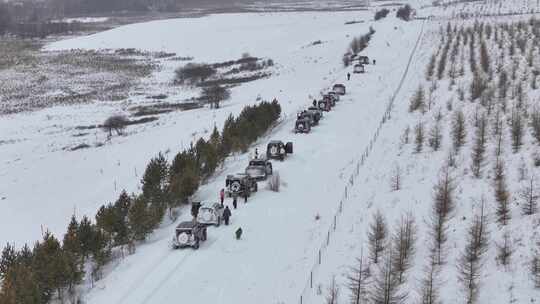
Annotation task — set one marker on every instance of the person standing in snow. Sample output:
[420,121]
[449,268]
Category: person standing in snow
[256,153]
[245,194]
[314,102]
[348,76]
[222,196]
[234,201]
[195,210]
[238,233]
[226,215]
[374,61]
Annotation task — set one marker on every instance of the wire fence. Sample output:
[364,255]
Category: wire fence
[309,289]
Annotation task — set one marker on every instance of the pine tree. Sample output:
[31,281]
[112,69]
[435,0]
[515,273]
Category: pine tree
[357,282]
[377,236]
[21,286]
[50,267]
[139,220]
[517,130]
[7,260]
[529,196]
[435,136]
[459,133]
[479,147]
[72,254]
[86,236]
[386,285]
[430,285]
[502,195]
[404,246]
[419,137]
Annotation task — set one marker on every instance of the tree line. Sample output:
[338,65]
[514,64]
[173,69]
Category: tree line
[52,268]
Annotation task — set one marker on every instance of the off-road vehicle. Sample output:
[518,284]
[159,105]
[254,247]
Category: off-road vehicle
[312,117]
[339,88]
[334,94]
[318,113]
[189,234]
[324,105]
[329,98]
[363,60]
[240,184]
[359,68]
[302,125]
[276,149]
[210,214]
[259,168]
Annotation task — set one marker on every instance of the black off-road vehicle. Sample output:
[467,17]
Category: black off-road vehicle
[240,184]
[189,234]
[363,60]
[302,125]
[276,149]
[325,105]
[334,95]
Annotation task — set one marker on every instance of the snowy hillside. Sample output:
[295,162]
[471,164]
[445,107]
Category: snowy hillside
[438,141]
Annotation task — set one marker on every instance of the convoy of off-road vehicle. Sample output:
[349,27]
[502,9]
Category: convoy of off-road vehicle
[191,233]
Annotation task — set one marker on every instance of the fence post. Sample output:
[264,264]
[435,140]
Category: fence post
[311,280]
[300,299]
[335,222]
[328,239]
[320,257]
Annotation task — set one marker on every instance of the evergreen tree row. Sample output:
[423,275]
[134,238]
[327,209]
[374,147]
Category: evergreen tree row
[52,269]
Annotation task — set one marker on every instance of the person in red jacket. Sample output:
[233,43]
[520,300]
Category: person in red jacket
[222,196]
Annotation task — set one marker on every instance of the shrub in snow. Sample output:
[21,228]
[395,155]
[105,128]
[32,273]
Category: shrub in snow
[404,13]
[115,123]
[193,73]
[381,14]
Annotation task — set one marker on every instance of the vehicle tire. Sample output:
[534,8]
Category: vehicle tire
[289,147]
[205,235]
[196,246]
[255,187]
[235,186]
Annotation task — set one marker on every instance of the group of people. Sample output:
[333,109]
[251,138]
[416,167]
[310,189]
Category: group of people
[227,212]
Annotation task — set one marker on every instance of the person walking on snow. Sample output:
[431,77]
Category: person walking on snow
[314,102]
[234,201]
[348,76]
[226,215]
[222,196]
[256,153]
[245,194]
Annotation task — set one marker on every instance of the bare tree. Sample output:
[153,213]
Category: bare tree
[115,123]
[419,137]
[429,284]
[479,147]
[529,196]
[504,250]
[535,124]
[435,136]
[535,269]
[470,261]
[395,180]
[443,205]
[377,236]
[418,100]
[358,281]
[501,194]
[516,130]
[404,240]
[386,286]
[215,95]
[332,294]
[405,136]
[459,132]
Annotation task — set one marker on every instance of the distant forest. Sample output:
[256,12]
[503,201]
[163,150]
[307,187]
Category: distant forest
[34,18]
